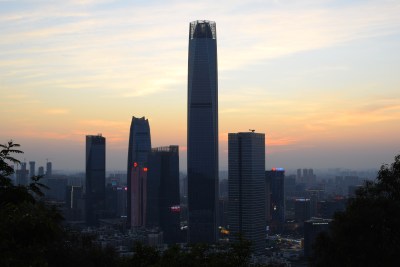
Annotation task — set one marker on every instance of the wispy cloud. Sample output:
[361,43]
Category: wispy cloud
[56,111]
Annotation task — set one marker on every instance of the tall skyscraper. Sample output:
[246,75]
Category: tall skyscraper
[246,174]
[139,148]
[95,177]
[163,200]
[202,152]
[275,178]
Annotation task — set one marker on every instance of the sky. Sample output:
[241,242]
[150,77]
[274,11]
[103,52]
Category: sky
[319,77]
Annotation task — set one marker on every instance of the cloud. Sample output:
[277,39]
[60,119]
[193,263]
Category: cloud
[56,111]
[280,141]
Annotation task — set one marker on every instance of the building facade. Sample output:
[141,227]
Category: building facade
[139,148]
[276,179]
[312,228]
[95,178]
[246,175]
[202,162]
[32,168]
[163,200]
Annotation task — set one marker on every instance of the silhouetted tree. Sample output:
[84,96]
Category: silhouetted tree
[367,233]
[27,226]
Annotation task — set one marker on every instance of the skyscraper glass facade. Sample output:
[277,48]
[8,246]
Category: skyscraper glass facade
[276,180]
[139,148]
[246,167]
[163,200]
[95,177]
[202,133]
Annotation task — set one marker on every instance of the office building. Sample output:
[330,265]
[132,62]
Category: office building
[31,168]
[22,175]
[95,177]
[41,171]
[202,151]
[56,188]
[139,148]
[275,178]
[73,203]
[49,170]
[163,200]
[312,228]
[302,209]
[246,176]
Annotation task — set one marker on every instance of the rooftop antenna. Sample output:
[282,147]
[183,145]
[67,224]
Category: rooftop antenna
[252,130]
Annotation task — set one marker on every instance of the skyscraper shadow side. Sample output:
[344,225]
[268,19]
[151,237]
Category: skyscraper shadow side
[202,132]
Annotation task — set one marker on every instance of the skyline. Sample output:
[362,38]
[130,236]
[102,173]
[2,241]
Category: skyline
[317,77]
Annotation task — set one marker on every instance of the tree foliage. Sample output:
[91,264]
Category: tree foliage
[367,233]
[28,227]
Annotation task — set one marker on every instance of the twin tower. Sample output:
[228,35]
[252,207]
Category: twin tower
[202,139]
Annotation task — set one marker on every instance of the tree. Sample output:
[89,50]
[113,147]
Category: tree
[367,233]
[28,227]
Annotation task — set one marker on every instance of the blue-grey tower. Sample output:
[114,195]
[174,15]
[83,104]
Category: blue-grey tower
[246,178]
[95,178]
[139,148]
[202,161]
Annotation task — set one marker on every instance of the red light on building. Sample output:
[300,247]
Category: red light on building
[135,164]
[273,169]
[145,169]
[176,209]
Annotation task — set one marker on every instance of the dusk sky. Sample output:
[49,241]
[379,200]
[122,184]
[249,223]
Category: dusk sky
[320,78]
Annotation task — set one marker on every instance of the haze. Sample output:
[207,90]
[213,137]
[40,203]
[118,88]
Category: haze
[320,78]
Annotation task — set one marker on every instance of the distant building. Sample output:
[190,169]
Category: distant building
[56,188]
[31,168]
[74,203]
[95,178]
[302,209]
[327,208]
[41,171]
[276,180]
[22,175]
[202,144]
[312,228]
[139,148]
[290,186]
[246,163]
[163,200]
[49,169]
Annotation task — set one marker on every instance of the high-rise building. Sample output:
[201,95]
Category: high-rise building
[22,175]
[73,203]
[246,176]
[41,171]
[139,148]
[95,177]
[202,151]
[163,200]
[31,168]
[49,169]
[302,209]
[275,178]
